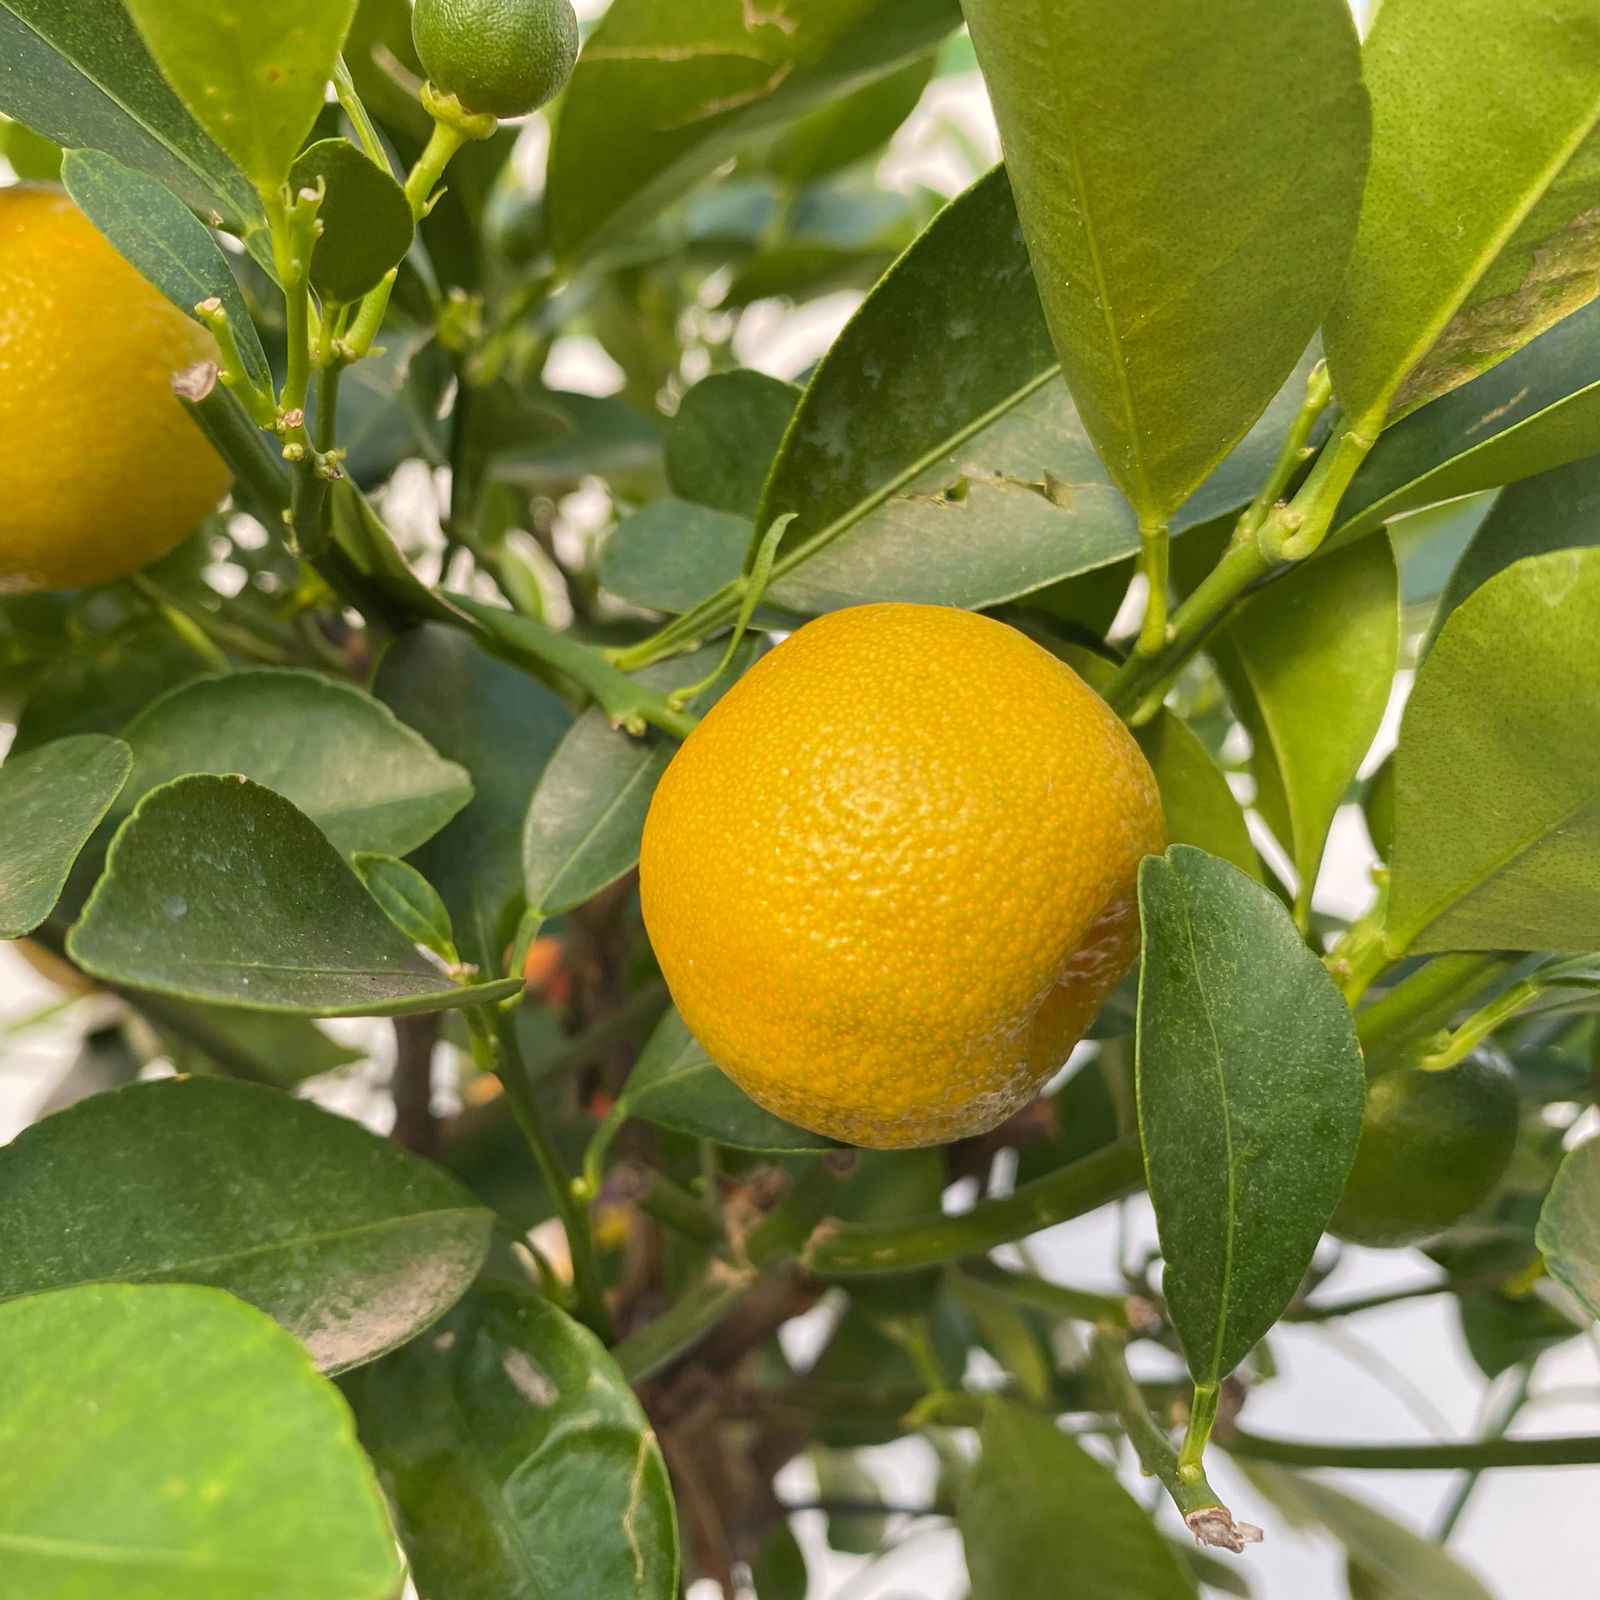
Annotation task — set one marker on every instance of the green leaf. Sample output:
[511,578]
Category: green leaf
[676,1085]
[218,889]
[1309,663]
[350,1243]
[411,903]
[1413,1568]
[518,1461]
[52,799]
[77,72]
[848,129]
[253,76]
[724,436]
[936,455]
[1536,410]
[365,216]
[259,1046]
[663,94]
[1497,773]
[1037,1505]
[1478,229]
[364,778]
[1250,1088]
[1557,510]
[587,815]
[1163,266]
[503,728]
[778,1569]
[153,229]
[1569,1225]
[166,1442]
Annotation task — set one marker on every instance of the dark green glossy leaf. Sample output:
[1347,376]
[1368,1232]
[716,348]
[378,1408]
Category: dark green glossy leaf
[1412,1567]
[1569,1225]
[77,72]
[518,1461]
[410,901]
[166,1442]
[937,456]
[365,217]
[1556,510]
[52,799]
[1037,1505]
[1497,774]
[218,889]
[849,128]
[675,1084]
[1309,664]
[503,727]
[661,95]
[1250,1089]
[1477,229]
[1161,266]
[1537,410]
[154,230]
[721,442]
[672,553]
[587,816]
[1502,1331]
[350,1243]
[254,77]
[363,777]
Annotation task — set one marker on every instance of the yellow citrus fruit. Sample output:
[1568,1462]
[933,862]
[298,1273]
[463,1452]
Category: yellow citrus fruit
[104,470]
[890,877]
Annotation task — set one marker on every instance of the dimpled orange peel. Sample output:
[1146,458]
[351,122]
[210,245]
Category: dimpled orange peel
[104,470]
[890,877]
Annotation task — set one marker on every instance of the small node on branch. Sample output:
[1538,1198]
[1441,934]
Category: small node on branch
[1214,1526]
[195,383]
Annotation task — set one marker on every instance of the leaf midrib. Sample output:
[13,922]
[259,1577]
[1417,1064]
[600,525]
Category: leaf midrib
[188,1561]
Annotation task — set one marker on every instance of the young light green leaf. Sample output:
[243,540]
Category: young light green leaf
[153,229]
[253,76]
[1568,1234]
[52,799]
[350,1243]
[503,728]
[675,1084]
[1036,1504]
[937,456]
[518,1461]
[587,815]
[78,73]
[1557,510]
[365,216]
[662,94]
[218,889]
[368,781]
[1479,227]
[410,902]
[1497,773]
[1538,409]
[1250,1088]
[1160,266]
[1410,1566]
[167,1442]
[721,442]
[1309,663]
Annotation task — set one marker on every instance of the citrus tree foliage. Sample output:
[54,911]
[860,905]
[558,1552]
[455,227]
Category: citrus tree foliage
[1185,390]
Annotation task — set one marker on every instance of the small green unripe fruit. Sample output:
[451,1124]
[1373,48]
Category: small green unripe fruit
[1433,1146]
[504,57]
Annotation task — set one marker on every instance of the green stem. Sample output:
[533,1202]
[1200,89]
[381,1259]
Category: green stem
[1197,1435]
[784,1230]
[1561,1450]
[1084,1305]
[628,703]
[845,1249]
[1422,1003]
[1497,1429]
[495,1049]
[1465,1039]
[686,1323]
[181,624]
[1360,956]
[1154,542]
[675,1208]
[344,86]
[1296,448]
[256,466]
[1200,1505]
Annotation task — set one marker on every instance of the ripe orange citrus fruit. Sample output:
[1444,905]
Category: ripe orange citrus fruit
[104,469]
[890,878]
